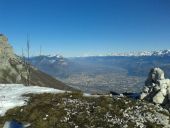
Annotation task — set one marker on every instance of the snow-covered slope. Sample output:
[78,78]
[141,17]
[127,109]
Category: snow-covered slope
[11,95]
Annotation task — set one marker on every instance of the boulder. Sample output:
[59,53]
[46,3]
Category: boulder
[157,88]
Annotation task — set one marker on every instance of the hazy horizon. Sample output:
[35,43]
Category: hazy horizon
[86,27]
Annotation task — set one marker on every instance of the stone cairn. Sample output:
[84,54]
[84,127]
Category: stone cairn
[157,88]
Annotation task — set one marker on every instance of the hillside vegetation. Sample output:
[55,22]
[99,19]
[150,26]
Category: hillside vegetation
[73,110]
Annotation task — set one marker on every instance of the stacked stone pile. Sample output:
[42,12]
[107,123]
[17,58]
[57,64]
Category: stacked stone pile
[157,87]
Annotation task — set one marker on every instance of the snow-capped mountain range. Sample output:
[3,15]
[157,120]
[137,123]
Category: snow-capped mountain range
[53,58]
[62,61]
[143,53]
[134,53]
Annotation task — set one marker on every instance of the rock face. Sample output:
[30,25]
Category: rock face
[9,72]
[157,87]
[6,50]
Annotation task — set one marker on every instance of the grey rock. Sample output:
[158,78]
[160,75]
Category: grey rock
[6,50]
[156,88]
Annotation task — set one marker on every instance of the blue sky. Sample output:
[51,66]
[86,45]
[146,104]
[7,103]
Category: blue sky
[81,27]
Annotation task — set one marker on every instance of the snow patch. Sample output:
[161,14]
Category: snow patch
[11,95]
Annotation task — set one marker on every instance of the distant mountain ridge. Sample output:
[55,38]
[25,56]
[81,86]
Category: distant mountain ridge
[165,52]
[53,58]
[144,53]
[47,59]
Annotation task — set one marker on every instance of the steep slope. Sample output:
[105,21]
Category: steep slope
[42,79]
[14,70]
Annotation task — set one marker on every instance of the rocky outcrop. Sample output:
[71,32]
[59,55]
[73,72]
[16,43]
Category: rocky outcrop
[6,51]
[157,87]
[9,72]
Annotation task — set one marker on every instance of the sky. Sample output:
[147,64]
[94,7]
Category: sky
[86,27]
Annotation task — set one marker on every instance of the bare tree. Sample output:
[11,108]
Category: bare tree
[40,50]
[23,58]
[28,61]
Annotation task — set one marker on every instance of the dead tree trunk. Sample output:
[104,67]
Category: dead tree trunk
[28,61]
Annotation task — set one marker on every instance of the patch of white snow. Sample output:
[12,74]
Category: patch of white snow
[11,95]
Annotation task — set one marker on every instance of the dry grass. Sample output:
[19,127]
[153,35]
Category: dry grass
[72,110]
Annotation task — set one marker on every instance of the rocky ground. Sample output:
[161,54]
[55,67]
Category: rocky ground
[157,88]
[73,110]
